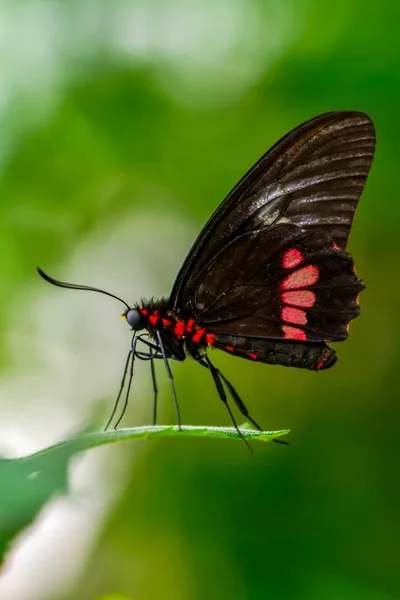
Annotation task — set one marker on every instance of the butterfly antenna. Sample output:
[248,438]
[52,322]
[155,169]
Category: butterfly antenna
[71,286]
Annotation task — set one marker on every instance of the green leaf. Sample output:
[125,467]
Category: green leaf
[28,483]
[91,440]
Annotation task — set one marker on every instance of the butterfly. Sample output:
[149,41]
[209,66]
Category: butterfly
[268,279]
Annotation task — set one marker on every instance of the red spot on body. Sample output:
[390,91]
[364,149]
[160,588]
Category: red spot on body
[320,365]
[154,318]
[294,315]
[198,335]
[189,326]
[292,258]
[143,311]
[294,333]
[165,322]
[301,278]
[179,329]
[210,338]
[230,348]
[336,246]
[252,355]
[303,298]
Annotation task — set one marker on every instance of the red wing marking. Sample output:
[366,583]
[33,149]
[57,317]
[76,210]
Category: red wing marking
[230,348]
[301,278]
[165,322]
[320,365]
[198,335]
[179,329]
[292,258]
[294,333]
[210,337]
[294,315]
[252,355]
[303,298]
[189,326]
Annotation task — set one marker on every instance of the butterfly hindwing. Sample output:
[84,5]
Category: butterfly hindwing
[282,283]
[315,357]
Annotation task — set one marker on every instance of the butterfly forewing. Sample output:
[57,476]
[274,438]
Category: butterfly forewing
[312,178]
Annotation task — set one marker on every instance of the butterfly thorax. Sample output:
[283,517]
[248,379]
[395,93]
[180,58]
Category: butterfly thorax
[178,331]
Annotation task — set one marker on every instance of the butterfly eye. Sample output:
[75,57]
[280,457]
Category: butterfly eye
[135,318]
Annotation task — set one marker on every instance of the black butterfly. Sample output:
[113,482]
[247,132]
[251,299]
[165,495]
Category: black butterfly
[268,278]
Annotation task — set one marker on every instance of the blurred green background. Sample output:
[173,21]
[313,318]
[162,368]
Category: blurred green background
[123,125]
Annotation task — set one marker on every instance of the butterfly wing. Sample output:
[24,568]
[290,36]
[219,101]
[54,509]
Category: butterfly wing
[284,282]
[312,178]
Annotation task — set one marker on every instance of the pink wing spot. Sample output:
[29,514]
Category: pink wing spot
[198,335]
[210,337]
[179,329]
[301,278]
[230,348]
[294,315]
[252,355]
[294,333]
[301,298]
[292,258]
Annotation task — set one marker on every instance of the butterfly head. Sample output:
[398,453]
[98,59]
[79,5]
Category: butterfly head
[135,318]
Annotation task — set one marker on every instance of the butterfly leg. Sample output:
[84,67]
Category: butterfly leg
[121,387]
[236,398]
[155,388]
[216,375]
[170,376]
[234,395]
[242,407]
[238,401]
[149,355]
[128,389]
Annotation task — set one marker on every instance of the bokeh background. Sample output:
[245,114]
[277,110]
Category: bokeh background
[122,127]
